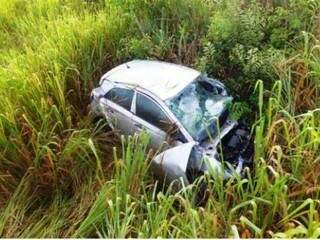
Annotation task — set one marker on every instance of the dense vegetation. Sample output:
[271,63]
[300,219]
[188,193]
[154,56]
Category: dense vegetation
[62,176]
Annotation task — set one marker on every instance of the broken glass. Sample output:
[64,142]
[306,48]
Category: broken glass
[199,106]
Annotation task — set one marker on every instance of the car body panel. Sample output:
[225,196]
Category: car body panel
[157,136]
[172,164]
[118,117]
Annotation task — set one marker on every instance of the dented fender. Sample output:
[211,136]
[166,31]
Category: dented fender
[172,164]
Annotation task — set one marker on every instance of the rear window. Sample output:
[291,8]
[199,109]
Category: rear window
[121,96]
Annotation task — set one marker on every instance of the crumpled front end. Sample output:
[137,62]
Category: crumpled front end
[228,154]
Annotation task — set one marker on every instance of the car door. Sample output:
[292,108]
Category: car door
[150,116]
[117,108]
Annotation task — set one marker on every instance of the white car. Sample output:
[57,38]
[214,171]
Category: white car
[185,112]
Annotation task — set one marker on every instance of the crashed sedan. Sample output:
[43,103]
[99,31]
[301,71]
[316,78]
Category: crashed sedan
[185,112]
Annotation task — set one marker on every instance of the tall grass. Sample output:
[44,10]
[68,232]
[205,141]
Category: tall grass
[62,176]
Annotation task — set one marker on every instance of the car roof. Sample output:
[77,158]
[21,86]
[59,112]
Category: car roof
[165,80]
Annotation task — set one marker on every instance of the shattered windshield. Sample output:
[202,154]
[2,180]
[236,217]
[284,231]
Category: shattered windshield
[199,106]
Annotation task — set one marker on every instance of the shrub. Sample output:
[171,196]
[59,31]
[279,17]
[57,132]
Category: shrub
[246,42]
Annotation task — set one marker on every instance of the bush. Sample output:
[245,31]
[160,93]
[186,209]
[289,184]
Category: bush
[244,43]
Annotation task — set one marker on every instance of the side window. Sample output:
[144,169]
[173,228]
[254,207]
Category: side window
[121,96]
[151,112]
